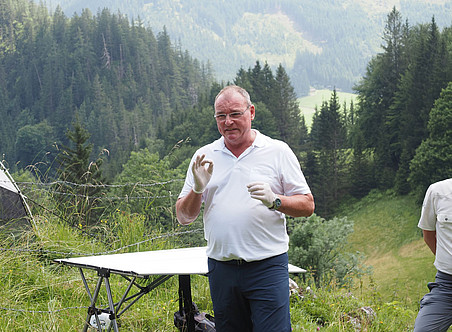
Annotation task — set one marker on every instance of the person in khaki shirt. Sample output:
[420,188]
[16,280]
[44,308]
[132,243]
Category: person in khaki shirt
[435,313]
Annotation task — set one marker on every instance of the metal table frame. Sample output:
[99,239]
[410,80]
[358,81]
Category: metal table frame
[164,263]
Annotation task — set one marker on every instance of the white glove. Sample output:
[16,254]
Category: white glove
[262,192]
[201,174]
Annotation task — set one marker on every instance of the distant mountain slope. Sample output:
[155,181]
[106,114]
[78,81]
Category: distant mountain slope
[321,43]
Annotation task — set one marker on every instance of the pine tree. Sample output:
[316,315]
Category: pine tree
[433,159]
[242,79]
[286,109]
[360,176]
[328,136]
[413,102]
[377,119]
[77,174]
[258,81]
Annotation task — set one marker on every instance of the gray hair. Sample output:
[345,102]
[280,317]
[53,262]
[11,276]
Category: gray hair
[238,89]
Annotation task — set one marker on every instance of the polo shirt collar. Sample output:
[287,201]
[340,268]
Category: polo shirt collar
[258,142]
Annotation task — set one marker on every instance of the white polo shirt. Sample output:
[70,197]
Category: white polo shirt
[437,216]
[237,226]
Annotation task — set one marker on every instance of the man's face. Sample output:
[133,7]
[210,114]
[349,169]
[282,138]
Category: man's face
[236,128]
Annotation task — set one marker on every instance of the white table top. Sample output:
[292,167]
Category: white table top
[158,262]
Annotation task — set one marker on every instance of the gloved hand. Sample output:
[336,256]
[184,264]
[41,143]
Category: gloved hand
[262,192]
[201,174]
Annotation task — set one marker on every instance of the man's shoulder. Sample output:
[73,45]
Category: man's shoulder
[215,145]
[271,142]
[441,188]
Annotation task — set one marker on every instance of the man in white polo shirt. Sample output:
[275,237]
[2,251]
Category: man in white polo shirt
[248,182]
[435,313]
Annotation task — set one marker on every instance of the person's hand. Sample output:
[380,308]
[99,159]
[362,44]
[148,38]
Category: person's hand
[262,192]
[201,173]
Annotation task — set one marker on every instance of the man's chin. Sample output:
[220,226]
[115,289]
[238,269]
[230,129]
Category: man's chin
[231,134]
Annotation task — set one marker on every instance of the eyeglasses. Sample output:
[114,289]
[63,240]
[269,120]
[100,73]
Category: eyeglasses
[221,117]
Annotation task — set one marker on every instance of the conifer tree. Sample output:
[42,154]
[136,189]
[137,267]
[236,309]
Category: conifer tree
[258,81]
[328,135]
[77,174]
[286,109]
[433,159]
[360,175]
[413,102]
[242,79]
[378,121]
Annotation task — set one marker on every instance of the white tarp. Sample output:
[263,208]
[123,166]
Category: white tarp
[159,262]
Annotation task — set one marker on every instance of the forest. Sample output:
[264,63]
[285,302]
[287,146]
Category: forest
[323,44]
[95,99]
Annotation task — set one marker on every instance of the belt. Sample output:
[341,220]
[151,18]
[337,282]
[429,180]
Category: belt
[236,262]
[443,275]
[244,262]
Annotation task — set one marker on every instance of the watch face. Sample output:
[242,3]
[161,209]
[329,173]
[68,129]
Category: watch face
[277,203]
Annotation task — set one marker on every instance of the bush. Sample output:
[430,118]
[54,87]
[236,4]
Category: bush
[318,245]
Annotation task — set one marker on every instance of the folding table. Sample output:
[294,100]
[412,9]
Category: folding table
[163,263]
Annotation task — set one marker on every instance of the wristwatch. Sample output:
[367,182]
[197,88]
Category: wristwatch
[276,204]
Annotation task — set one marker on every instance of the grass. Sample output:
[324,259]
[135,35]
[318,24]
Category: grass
[40,295]
[316,98]
[386,232]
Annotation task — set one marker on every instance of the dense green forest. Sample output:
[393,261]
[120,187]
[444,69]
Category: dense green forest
[120,81]
[95,87]
[320,43]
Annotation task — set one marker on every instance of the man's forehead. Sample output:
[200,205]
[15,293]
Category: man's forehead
[229,98]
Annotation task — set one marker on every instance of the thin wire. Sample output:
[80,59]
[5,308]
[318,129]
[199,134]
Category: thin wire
[103,252]
[99,185]
[104,197]
[42,311]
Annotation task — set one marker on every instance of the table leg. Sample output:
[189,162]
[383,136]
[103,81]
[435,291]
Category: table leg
[186,299]
[93,299]
[112,305]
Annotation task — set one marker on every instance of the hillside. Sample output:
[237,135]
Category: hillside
[386,232]
[321,43]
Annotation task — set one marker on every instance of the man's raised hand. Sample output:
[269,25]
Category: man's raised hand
[201,173]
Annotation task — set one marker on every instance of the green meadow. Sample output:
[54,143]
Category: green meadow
[308,104]
[40,295]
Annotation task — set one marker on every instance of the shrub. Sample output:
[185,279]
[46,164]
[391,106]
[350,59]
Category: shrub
[319,246]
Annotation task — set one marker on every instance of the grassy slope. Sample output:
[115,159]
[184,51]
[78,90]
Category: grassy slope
[385,229]
[386,232]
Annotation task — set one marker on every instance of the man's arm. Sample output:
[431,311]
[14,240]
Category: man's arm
[297,205]
[430,240]
[188,208]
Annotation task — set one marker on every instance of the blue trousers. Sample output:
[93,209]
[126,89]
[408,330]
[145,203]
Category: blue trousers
[435,313]
[250,296]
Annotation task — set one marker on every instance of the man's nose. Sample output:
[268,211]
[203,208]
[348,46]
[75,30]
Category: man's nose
[228,120]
